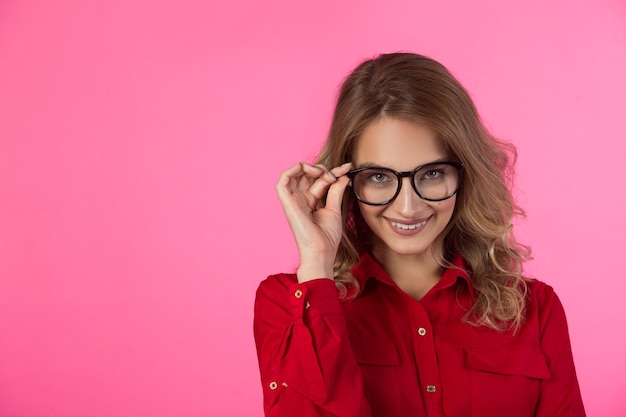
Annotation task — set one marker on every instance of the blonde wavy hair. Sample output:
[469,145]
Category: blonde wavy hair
[419,89]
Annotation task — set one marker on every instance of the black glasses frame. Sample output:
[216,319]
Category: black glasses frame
[410,174]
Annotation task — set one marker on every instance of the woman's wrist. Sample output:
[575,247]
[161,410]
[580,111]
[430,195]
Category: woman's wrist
[308,272]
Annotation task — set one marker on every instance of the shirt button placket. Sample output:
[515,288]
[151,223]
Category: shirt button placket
[426,360]
[429,388]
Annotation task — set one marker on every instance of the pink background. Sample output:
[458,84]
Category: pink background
[140,141]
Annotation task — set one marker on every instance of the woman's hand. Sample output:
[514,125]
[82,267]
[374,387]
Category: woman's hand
[316,228]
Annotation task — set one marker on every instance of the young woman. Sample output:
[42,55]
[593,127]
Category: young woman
[409,299]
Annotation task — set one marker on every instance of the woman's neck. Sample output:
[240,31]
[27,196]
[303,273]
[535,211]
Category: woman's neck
[414,274]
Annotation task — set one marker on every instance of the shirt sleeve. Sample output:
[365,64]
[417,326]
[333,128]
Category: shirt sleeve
[560,394]
[305,358]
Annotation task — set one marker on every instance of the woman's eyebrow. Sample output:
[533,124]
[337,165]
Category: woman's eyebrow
[375,165]
[371,165]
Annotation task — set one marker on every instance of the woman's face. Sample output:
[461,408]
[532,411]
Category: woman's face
[408,225]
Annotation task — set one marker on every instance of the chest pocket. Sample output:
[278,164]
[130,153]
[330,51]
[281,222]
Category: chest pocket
[505,381]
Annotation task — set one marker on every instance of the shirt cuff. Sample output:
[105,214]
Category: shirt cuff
[318,296]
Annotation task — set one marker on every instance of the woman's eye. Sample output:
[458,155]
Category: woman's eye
[378,177]
[432,174]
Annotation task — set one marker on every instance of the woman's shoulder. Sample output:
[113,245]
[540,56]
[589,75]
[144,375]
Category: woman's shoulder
[543,302]
[539,291]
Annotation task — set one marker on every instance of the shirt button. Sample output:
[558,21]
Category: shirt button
[431,388]
[298,294]
[273,385]
[421,331]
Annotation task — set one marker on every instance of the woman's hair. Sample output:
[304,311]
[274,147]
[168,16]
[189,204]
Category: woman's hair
[418,89]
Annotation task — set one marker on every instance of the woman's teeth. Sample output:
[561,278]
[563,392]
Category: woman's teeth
[408,226]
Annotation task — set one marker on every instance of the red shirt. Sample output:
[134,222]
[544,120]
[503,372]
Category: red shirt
[386,354]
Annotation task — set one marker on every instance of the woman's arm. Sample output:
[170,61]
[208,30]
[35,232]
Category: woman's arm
[559,395]
[305,358]
[306,361]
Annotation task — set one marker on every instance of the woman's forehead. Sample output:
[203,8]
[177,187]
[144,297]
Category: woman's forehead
[397,144]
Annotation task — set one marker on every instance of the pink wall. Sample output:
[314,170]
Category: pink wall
[139,145]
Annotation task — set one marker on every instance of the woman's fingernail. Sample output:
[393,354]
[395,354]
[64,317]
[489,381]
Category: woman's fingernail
[347,164]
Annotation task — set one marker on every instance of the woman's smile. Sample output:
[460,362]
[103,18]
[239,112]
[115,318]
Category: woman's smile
[408,226]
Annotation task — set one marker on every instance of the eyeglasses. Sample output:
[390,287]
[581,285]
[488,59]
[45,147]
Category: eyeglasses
[378,186]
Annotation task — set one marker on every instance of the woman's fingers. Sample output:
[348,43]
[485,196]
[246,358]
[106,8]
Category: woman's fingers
[319,188]
[312,179]
[302,187]
[315,174]
[289,174]
[298,172]
[335,194]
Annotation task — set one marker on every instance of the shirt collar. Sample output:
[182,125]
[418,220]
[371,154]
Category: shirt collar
[368,268]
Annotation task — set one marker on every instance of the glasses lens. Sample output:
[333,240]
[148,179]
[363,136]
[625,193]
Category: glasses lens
[375,185]
[437,181]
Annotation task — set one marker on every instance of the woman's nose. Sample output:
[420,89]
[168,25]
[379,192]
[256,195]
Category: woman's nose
[408,202]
